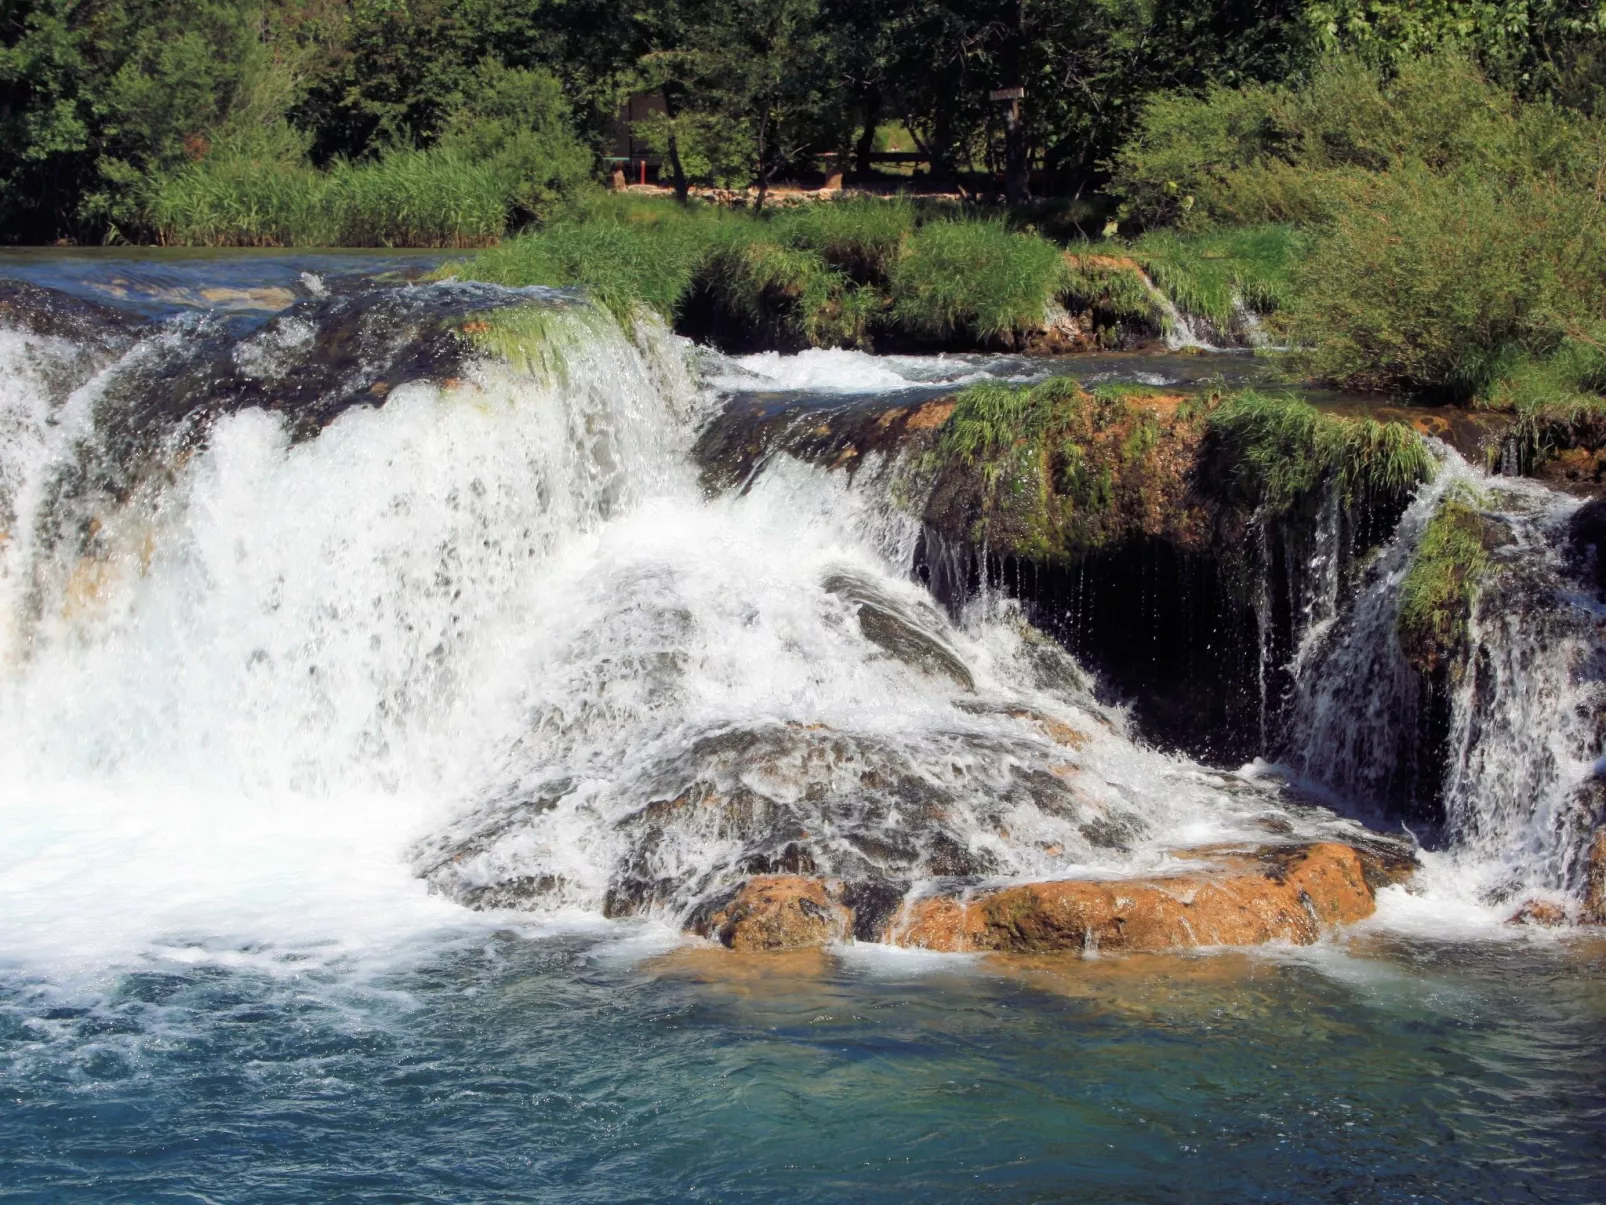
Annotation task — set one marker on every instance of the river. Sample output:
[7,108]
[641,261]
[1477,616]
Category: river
[314,634]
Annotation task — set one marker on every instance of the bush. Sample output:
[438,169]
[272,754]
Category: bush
[1450,230]
[1432,284]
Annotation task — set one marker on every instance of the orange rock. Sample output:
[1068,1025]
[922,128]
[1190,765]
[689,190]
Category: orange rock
[1593,911]
[779,912]
[1539,912]
[930,416]
[1291,893]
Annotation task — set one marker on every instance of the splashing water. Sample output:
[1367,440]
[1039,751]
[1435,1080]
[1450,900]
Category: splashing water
[1508,750]
[495,621]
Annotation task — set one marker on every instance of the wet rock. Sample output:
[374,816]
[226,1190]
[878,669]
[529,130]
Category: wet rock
[778,912]
[1587,531]
[51,313]
[1541,913]
[1288,893]
[1593,911]
[1386,860]
[889,626]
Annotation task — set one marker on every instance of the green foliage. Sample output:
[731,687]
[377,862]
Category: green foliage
[508,159]
[863,238]
[1429,283]
[789,295]
[1106,280]
[1451,229]
[1441,586]
[826,275]
[1274,453]
[622,264]
[974,278]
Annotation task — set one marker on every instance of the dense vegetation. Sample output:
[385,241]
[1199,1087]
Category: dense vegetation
[447,121]
[1409,194]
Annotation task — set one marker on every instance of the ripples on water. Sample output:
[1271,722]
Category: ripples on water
[576,1068]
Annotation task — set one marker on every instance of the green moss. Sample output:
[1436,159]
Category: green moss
[1441,586]
[1051,471]
[1275,452]
[533,339]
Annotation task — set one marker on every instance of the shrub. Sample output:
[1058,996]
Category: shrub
[1431,284]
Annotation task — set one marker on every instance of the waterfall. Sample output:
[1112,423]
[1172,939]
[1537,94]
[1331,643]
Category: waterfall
[1503,756]
[301,611]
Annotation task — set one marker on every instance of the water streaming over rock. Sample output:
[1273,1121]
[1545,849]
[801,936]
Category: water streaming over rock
[343,566]
[345,580]
[1501,752]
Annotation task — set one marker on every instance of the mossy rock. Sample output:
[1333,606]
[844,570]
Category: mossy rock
[1441,586]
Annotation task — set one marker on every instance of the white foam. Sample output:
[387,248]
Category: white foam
[821,370]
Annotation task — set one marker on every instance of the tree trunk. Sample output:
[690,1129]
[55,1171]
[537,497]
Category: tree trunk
[1017,184]
[870,109]
[682,190]
[763,180]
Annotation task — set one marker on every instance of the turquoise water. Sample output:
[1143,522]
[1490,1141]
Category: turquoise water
[574,1068]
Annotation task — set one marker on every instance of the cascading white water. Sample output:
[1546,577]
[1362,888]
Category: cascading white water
[498,613]
[1522,747]
[1525,739]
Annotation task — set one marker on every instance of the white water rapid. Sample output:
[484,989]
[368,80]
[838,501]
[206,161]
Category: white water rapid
[489,633]
[309,687]
[1509,749]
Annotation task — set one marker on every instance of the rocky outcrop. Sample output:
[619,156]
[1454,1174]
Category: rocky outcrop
[778,912]
[1593,910]
[1237,896]
[1290,894]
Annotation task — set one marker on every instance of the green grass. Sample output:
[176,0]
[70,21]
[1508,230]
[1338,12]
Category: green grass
[622,264]
[976,279]
[1441,586]
[1276,452]
[1209,272]
[406,198]
[823,275]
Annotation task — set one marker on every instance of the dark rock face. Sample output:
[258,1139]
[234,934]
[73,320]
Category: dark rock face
[1587,533]
[53,314]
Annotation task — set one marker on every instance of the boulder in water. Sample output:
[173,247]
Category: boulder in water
[1593,911]
[778,912]
[1288,893]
